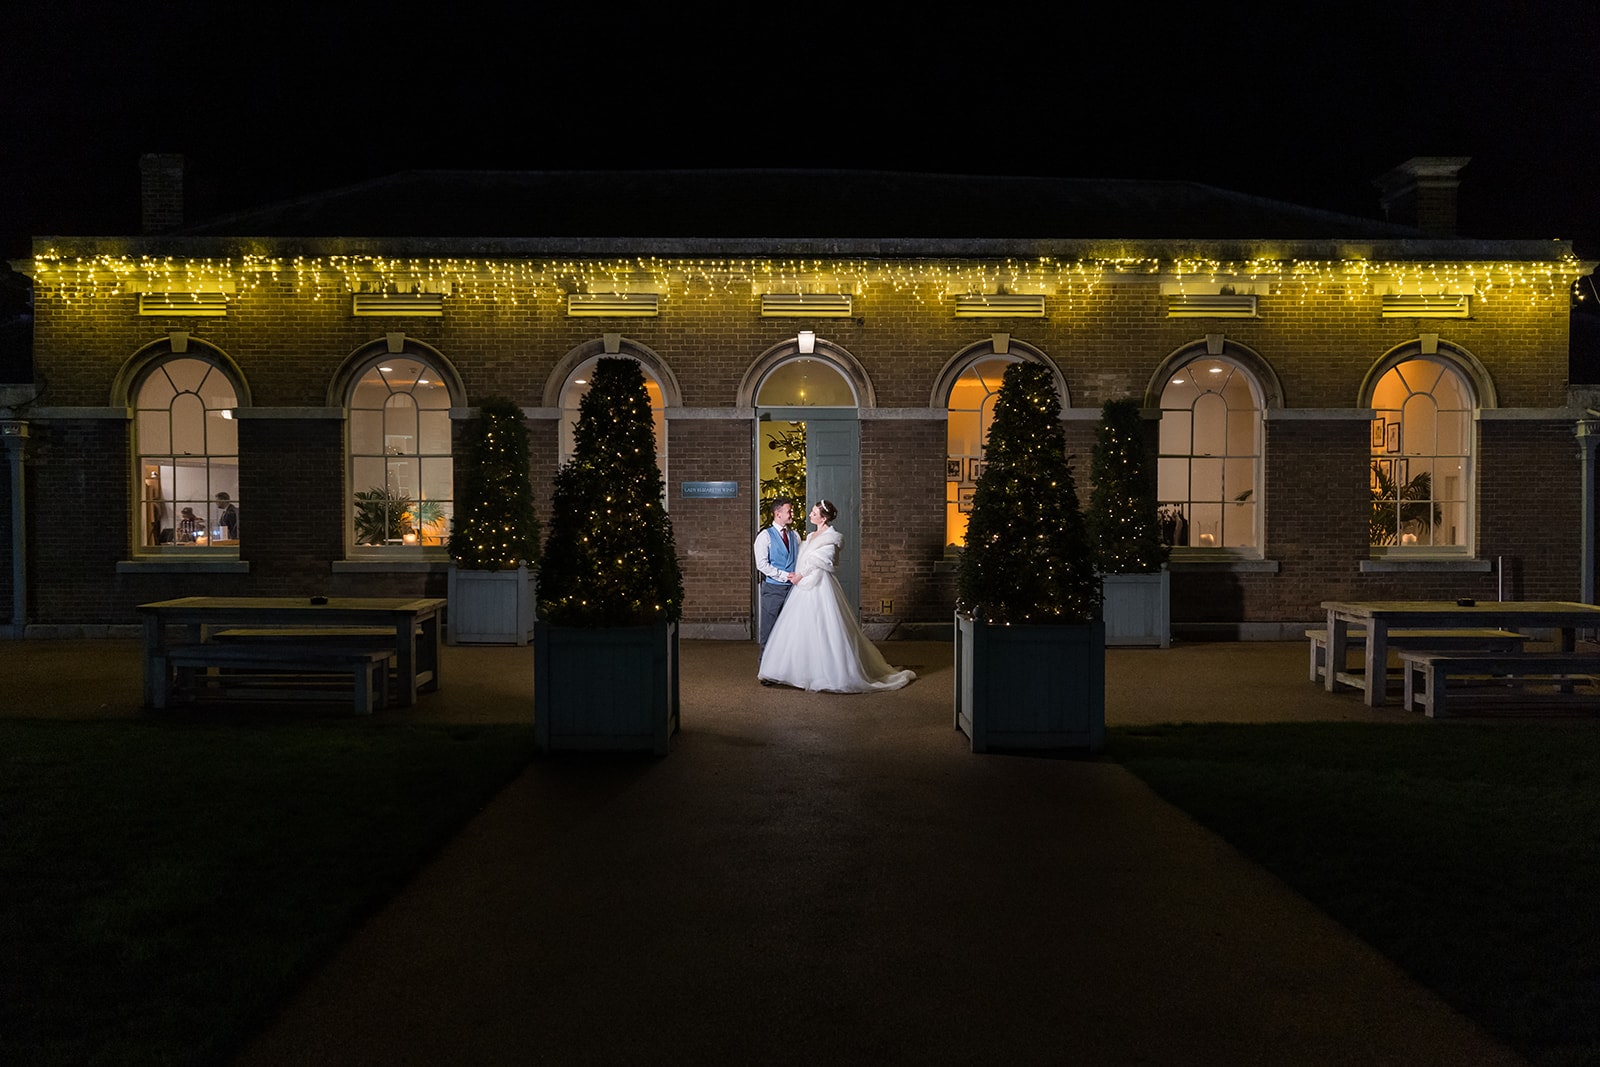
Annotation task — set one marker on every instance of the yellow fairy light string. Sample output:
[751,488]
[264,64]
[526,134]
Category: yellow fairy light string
[513,282]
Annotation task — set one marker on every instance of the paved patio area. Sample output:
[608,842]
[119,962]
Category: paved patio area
[835,879]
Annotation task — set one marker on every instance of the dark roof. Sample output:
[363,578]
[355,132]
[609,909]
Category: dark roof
[808,204]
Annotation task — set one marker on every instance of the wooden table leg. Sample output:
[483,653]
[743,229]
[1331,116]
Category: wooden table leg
[1377,662]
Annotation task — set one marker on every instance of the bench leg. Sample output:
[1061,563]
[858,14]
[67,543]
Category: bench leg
[366,687]
[1433,702]
[1317,649]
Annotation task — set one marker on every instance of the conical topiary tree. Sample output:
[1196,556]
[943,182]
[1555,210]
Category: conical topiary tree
[1028,558]
[1123,523]
[495,526]
[609,559]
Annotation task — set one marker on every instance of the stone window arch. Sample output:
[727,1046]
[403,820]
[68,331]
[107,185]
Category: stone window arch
[400,475]
[184,395]
[1213,396]
[966,388]
[570,382]
[1424,397]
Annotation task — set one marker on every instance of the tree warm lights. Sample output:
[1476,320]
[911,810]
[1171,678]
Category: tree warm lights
[495,527]
[1028,558]
[610,559]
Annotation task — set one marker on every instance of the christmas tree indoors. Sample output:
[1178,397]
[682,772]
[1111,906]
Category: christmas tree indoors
[495,527]
[610,559]
[1028,557]
[1122,519]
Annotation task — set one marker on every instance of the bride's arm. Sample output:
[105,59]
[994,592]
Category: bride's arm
[818,561]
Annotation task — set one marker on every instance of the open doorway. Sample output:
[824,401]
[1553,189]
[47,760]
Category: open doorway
[808,445]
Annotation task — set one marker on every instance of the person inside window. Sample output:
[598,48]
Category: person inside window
[229,519]
[190,528]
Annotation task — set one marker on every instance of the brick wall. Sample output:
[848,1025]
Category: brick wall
[291,338]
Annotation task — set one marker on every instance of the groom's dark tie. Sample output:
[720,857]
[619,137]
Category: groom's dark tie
[785,534]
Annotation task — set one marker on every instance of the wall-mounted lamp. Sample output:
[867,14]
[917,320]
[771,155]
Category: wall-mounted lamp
[808,342]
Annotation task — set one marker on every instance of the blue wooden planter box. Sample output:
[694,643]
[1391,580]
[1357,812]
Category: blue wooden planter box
[609,689]
[491,607]
[1137,608]
[1030,687]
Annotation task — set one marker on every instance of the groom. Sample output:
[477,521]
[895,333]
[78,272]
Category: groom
[776,548]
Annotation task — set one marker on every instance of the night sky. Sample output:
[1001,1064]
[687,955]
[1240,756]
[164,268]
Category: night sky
[1306,103]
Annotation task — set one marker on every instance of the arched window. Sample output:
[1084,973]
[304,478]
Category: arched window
[401,478]
[1209,470]
[1421,458]
[577,385]
[186,444]
[971,409]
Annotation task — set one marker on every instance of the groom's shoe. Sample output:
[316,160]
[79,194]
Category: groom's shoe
[767,682]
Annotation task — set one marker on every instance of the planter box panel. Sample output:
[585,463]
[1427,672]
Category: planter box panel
[1137,609]
[1030,687]
[605,689]
[491,607]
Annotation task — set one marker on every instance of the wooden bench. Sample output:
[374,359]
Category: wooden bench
[279,670]
[1520,680]
[1470,640]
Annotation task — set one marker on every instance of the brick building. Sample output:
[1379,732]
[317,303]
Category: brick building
[1343,407]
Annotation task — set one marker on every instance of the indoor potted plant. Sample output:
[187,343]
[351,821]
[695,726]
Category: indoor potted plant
[1125,526]
[494,543]
[606,639]
[1030,645]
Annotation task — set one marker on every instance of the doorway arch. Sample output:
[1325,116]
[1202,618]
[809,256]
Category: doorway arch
[820,393]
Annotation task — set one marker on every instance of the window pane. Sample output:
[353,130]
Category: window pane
[1175,431]
[153,430]
[433,432]
[222,435]
[436,479]
[188,425]
[366,472]
[1172,479]
[370,392]
[366,432]
[1239,526]
[1210,426]
[432,395]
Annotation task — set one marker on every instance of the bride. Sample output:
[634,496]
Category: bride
[817,644]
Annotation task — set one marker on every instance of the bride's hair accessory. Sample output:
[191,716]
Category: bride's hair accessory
[829,512]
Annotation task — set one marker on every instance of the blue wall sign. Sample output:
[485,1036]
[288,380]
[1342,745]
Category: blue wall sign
[711,490]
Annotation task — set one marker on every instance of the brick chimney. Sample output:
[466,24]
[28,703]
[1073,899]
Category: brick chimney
[160,191]
[1421,192]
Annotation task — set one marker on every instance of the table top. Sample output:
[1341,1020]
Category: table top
[269,604]
[1502,609]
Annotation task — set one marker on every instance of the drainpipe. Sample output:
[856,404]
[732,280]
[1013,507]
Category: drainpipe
[1588,432]
[15,434]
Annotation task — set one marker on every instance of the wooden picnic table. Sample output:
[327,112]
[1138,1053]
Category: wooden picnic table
[1378,616]
[416,623]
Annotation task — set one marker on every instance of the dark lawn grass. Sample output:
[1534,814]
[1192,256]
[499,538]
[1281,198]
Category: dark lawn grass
[1468,853]
[164,885]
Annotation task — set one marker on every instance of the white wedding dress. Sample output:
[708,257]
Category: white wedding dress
[817,644]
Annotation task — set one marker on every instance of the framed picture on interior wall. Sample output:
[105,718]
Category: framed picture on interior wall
[1377,432]
[1402,473]
[1391,439]
[1383,470]
[964,499]
[974,469]
[954,467]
